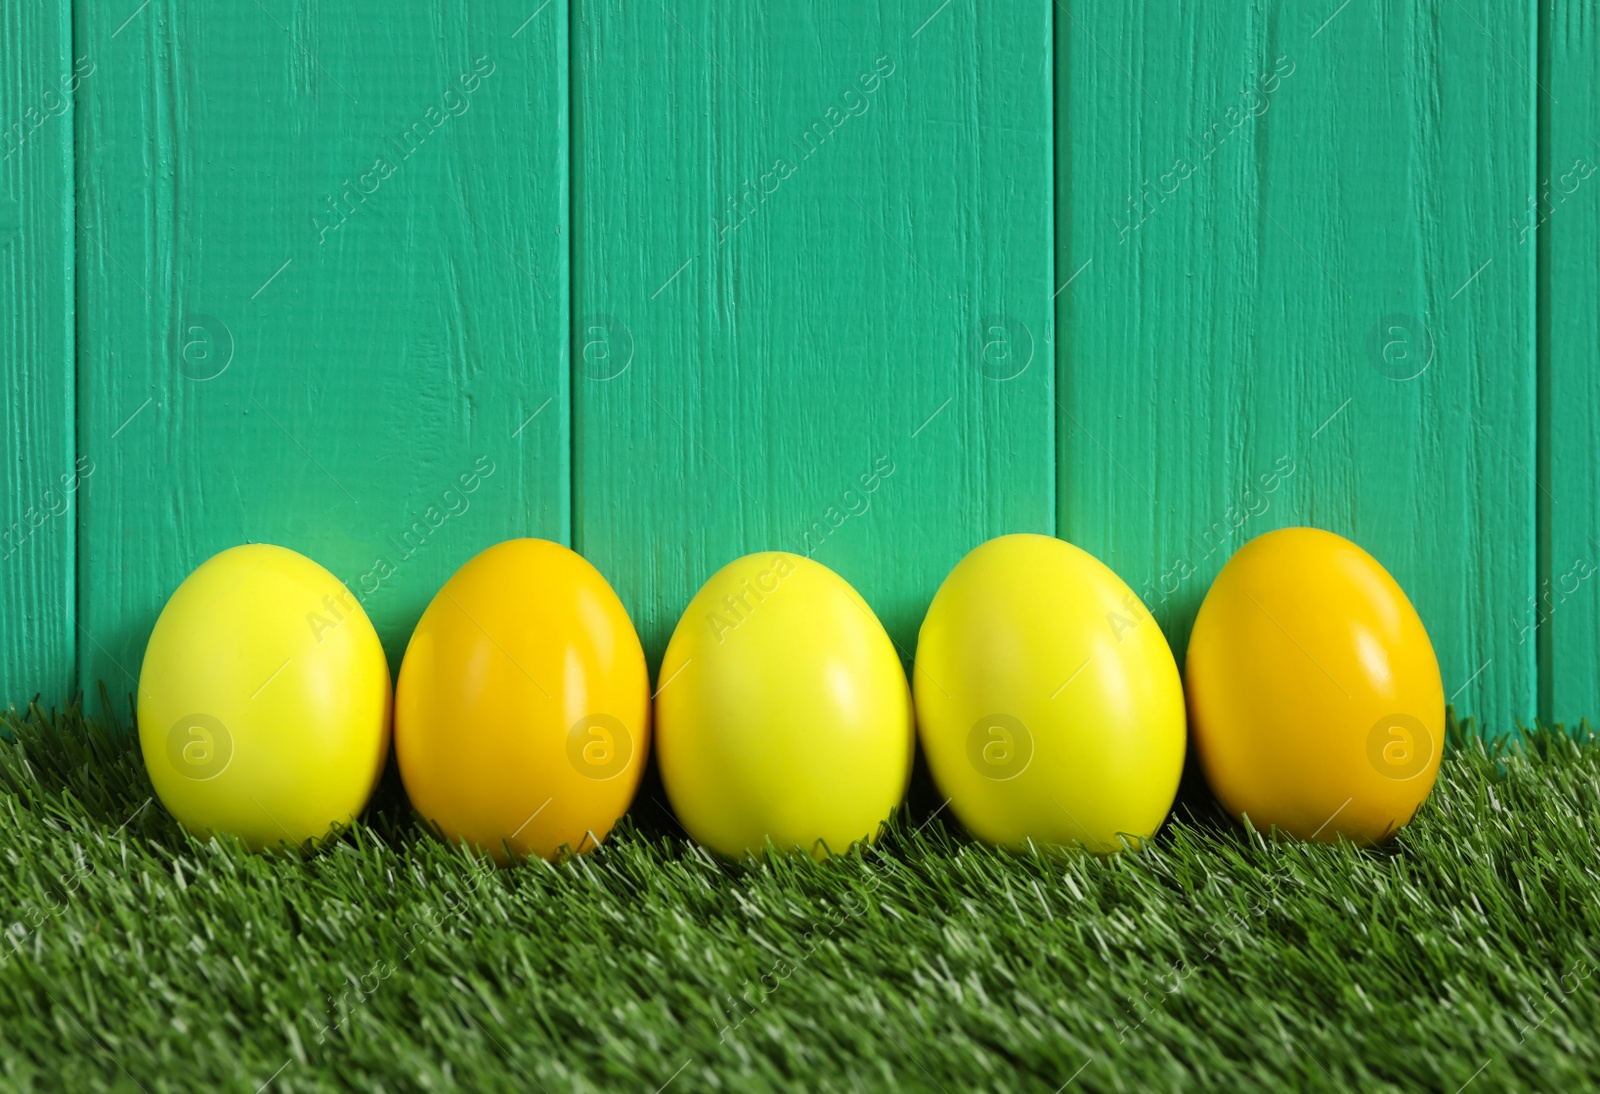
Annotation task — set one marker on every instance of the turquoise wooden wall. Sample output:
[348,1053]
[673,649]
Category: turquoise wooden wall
[672,282]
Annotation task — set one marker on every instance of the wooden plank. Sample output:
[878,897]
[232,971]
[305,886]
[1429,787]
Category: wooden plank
[1564,216]
[813,275]
[38,79]
[1299,306]
[324,296]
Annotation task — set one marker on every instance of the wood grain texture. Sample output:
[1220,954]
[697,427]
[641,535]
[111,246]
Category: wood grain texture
[324,296]
[41,481]
[1564,215]
[1299,304]
[813,276]
[1333,265]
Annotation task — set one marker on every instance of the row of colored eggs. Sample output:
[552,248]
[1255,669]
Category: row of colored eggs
[1046,700]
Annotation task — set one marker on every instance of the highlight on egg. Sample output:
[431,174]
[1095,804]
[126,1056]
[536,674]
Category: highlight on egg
[783,717]
[522,713]
[1314,693]
[264,700]
[1048,702]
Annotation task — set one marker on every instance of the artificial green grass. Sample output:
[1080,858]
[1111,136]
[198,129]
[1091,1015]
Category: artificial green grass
[1461,954]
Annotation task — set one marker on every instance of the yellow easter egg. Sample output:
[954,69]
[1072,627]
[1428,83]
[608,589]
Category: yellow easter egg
[263,700]
[1316,698]
[1048,702]
[782,712]
[522,716]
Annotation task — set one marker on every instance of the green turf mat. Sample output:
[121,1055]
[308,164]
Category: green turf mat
[138,958]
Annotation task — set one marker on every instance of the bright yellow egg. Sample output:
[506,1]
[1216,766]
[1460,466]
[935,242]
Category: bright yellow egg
[1048,702]
[1314,691]
[263,700]
[782,712]
[522,715]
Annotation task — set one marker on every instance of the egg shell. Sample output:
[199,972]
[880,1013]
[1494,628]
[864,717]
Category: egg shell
[1314,692]
[263,700]
[783,712]
[1048,703]
[522,714]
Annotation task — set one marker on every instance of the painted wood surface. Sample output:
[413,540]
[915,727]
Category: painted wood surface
[323,300]
[1564,215]
[869,283]
[812,271]
[1295,302]
[38,79]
